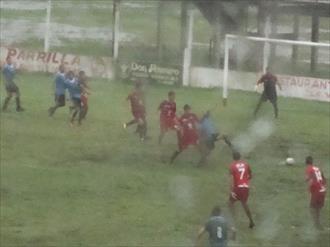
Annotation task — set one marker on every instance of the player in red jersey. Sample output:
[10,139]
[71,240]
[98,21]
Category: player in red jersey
[188,131]
[317,189]
[137,102]
[167,117]
[241,175]
[85,92]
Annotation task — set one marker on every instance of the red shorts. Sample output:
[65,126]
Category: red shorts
[84,100]
[317,199]
[186,140]
[167,124]
[239,194]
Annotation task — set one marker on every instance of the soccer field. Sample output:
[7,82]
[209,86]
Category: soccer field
[97,185]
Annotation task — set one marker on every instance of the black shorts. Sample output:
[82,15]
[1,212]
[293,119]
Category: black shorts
[76,102]
[271,96]
[12,88]
[210,142]
[60,100]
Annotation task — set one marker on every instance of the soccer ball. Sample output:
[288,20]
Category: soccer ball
[289,161]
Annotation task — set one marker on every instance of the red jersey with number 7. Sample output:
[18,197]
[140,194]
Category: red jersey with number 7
[241,173]
[316,179]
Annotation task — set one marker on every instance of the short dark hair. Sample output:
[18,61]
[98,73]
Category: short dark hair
[216,211]
[309,160]
[236,155]
[170,93]
[138,84]
[186,107]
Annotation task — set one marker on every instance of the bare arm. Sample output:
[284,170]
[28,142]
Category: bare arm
[233,233]
[199,235]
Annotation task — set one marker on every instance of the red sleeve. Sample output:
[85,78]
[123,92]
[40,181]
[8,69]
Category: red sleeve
[261,79]
[231,170]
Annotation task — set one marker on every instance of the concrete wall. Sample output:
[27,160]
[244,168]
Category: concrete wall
[292,86]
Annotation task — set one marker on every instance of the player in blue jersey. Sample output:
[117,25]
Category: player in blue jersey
[208,135]
[59,90]
[75,94]
[9,72]
[218,229]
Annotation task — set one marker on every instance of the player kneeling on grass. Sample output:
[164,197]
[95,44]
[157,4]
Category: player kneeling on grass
[9,72]
[317,189]
[187,132]
[75,94]
[137,103]
[167,116]
[218,229]
[60,88]
[241,176]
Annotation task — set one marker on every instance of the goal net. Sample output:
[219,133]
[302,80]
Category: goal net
[246,59]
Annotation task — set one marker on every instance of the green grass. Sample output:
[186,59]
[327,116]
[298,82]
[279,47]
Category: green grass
[97,185]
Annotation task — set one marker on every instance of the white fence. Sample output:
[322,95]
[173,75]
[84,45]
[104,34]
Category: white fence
[293,86]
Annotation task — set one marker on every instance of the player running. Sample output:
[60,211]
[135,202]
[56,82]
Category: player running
[75,95]
[208,135]
[317,189]
[188,132]
[241,176]
[137,102]
[270,81]
[167,115]
[9,72]
[60,88]
[217,227]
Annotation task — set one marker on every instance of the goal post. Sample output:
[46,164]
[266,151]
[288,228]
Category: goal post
[266,53]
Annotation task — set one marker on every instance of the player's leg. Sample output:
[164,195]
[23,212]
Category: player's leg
[81,114]
[315,212]
[274,103]
[317,202]
[77,107]
[6,101]
[181,146]
[142,128]
[248,213]
[243,194]
[163,130]
[18,104]
[175,155]
[134,121]
[84,106]
[205,150]
[59,102]
[261,100]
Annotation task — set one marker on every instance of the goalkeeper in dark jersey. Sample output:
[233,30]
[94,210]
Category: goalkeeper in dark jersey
[270,81]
